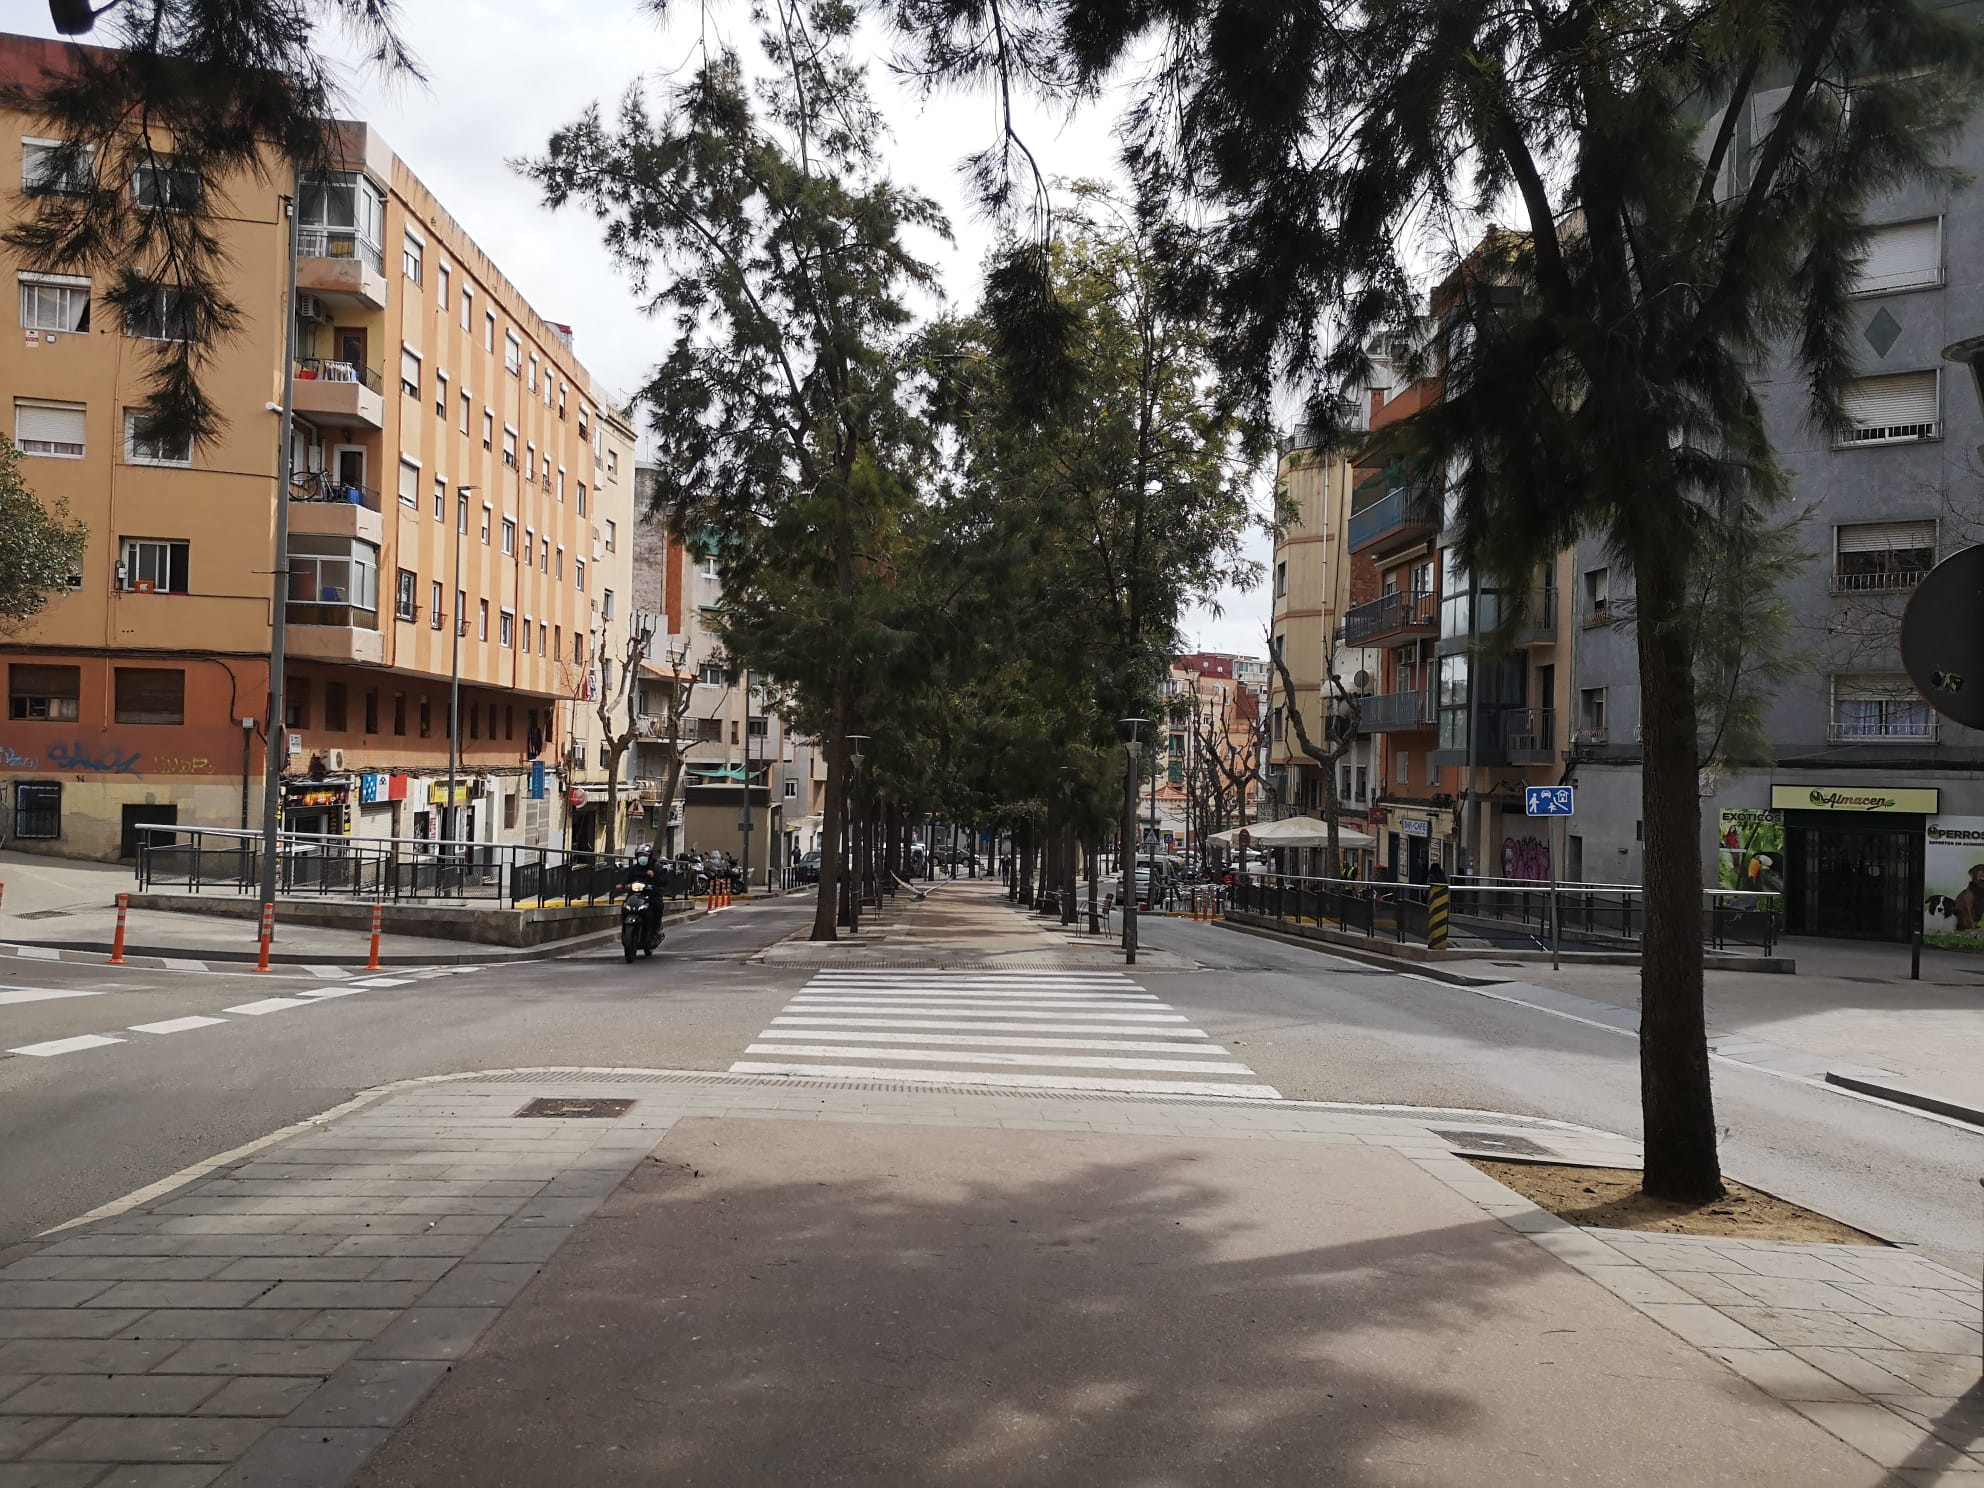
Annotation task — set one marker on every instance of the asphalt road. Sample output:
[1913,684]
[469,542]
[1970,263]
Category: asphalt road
[79,1129]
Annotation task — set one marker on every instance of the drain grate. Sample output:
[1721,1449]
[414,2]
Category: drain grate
[560,1105]
[1482,1141]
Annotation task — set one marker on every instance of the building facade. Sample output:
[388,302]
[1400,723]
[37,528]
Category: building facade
[459,479]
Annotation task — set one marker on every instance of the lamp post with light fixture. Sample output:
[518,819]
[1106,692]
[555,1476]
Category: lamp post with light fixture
[1130,727]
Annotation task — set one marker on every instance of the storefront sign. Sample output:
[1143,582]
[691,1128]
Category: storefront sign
[315,797]
[537,780]
[437,794]
[1905,799]
[1415,826]
[1750,850]
[1953,882]
[371,789]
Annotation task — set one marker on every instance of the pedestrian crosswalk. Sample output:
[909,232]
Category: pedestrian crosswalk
[1037,1030]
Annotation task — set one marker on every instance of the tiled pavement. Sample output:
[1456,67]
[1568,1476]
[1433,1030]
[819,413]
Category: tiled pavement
[272,1321]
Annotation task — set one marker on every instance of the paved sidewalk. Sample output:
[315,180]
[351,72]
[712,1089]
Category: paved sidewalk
[946,1286]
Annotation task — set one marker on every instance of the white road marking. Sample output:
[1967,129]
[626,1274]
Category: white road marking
[385,982]
[1071,1061]
[181,963]
[328,973]
[983,999]
[176,1025]
[1050,1025]
[66,1046]
[829,1035]
[1017,1080]
[38,953]
[323,994]
[983,994]
[268,1005]
[14,995]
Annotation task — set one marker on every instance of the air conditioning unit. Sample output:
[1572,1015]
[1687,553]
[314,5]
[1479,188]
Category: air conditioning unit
[333,759]
[311,310]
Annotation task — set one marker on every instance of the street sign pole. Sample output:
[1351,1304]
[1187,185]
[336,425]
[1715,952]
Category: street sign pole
[1556,907]
[1556,802]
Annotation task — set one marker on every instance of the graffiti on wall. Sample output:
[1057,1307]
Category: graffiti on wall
[74,756]
[1525,858]
[12,759]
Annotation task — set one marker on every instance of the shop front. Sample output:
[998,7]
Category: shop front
[1854,858]
[317,808]
[1414,839]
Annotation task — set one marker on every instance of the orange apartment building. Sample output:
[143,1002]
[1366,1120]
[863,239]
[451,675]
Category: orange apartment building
[440,421]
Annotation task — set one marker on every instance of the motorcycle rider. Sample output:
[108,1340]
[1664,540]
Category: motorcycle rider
[641,872]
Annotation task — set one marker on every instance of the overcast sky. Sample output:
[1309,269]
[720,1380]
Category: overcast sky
[503,74]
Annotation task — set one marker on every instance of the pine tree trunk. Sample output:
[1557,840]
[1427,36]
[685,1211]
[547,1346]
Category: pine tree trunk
[1677,1103]
[1094,887]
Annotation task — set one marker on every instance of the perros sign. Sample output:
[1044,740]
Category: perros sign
[1903,800]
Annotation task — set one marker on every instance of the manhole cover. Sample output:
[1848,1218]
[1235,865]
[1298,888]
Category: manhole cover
[555,1105]
[1495,1142]
[44,914]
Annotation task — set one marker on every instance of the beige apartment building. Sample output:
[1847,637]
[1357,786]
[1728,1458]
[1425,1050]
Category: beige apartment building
[459,478]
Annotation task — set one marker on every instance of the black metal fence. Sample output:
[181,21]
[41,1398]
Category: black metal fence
[396,870]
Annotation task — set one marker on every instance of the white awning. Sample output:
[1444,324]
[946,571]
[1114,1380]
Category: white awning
[1293,831]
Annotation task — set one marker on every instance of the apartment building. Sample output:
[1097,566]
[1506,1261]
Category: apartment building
[733,747]
[1212,717]
[460,481]
[1871,807]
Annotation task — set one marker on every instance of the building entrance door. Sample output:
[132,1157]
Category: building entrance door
[1858,884]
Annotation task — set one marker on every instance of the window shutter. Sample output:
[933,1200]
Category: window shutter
[55,423]
[1886,537]
[409,367]
[409,483]
[151,695]
[1902,255]
[1899,407]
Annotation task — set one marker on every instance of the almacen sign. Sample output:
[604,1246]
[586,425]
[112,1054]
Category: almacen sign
[1903,800]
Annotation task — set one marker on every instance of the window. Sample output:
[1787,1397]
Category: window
[440,498]
[584,416]
[475,720]
[410,252]
[1363,782]
[613,465]
[606,676]
[561,485]
[461,613]
[409,372]
[513,353]
[54,302]
[1902,255]
[509,536]
[38,809]
[1591,714]
[710,674]
[709,730]
[1873,709]
[1882,410]
[606,604]
[440,394]
[164,314]
[579,647]
[461,511]
[468,306]
[612,535]
[441,285]
[582,498]
[506,626]
[334,708]
[543,634]
[486,515]
[509,448]
[709,566]
[1343,786]
[410,486]
[1597,595]
[51,168]
[530,544]
[531,381]
[1281,581]
[544,555]
[371,710]
[560,573]
[1872,557]
[332,580]
[399,714]
[757,728]
[341,214]
[530,462]
[527,634]
[489,330]
[467,409]
[45,692]
[406,594]
[791,790]
[166,187]
[434,605]
[144,445]
[562,389]
[426,716]
[150,694]
[153,565]
[579,572]
[482,619]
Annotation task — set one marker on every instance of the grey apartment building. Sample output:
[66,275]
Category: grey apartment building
[1871,810]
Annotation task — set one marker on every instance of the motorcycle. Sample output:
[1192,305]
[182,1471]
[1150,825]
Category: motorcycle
[637,932]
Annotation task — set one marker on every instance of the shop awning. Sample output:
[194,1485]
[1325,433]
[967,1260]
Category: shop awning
[1292,831]
[722,774]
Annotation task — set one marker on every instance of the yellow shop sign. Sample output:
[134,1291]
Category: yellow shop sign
[1903,800]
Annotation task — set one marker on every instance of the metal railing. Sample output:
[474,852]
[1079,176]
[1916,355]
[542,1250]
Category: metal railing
[1920,729]
[1508,913]
[1403,609]
[330,369]
[1396,511]
[338,242]
[220,860]
[316,485]
[1395,710]
[1895,580]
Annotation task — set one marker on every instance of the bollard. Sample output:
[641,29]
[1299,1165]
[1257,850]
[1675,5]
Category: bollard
[1436,917]
[268,935]
[3,892]
[117,944]
[378,915]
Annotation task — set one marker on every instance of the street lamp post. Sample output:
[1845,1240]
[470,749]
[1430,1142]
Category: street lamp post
[850,849]
[1130,727]
[449,812]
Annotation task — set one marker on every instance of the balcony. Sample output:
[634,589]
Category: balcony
[1395,712]
[1530,735]
[338,263]
[1405,515]
[323,633]
[1394,614]
[324,507]
[1910,727]
[340,394]
[1878,581]
[1538,626]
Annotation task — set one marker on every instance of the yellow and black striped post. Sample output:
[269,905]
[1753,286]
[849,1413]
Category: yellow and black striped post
[1436,917]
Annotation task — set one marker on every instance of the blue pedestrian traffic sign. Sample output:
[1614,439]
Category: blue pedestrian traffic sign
[1547,800]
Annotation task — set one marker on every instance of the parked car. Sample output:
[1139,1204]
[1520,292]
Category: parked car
[807,869]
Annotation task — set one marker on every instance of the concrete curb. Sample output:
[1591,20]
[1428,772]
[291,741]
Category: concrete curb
[1901,1095]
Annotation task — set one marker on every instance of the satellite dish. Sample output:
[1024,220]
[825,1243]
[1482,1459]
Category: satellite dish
[1362,681]
[1942,638]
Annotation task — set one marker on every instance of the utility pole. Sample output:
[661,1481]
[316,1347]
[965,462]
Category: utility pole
[275,742]
[448,812]
[744,823]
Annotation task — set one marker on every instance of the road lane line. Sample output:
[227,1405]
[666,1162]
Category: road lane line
[954,1025]
[267,1005]
[66,1046]
[176,1025]
[1021,1081]
[1130,1046]
[1068,1061]
[324,994]
[16,995]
